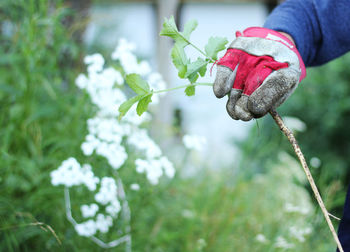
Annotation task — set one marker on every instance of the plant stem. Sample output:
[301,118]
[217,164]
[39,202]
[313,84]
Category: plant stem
[195,47]
[183,86]
[199,50]
[301,158]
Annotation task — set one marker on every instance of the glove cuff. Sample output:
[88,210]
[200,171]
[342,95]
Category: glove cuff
[269,34]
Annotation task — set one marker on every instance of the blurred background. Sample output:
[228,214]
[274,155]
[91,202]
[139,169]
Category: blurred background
[242,191]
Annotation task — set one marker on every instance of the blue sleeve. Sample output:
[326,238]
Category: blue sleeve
[320,28]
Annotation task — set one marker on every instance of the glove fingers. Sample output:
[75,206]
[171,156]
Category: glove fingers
[232,100]
[241,109]
[273,91]
[224,81]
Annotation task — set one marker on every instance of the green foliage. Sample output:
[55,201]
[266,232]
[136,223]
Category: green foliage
[222,212]
[179,59]
[143,104]
[194,68]
[170,30]
[178,54]
[140,87]
[124,108]
[214,46]
[42,120]
[190,90]
[137,84]
[187,69]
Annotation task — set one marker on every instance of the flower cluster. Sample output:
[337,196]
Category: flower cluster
[108,195]
[105,132]
[71,173]
[90,227]
[281,242]
[154,168]
[89,211]
[106,138]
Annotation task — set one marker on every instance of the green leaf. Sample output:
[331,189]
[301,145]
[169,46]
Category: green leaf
[136,83]
[190,26]
[198,66]
[170,30]
[215,45]
[190,90]
[143,104]
[180,59]
[125,106]
[178,54]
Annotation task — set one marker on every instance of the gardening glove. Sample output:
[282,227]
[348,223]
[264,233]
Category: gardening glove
[259,71]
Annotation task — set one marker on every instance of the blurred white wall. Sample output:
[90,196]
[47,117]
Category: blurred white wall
[137,22]
[203,114]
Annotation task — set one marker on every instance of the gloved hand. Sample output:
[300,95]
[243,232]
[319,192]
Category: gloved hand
[259,71]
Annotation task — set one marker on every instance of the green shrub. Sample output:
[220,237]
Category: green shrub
[42,118]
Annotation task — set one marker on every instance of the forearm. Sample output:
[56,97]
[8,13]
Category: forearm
[320,29]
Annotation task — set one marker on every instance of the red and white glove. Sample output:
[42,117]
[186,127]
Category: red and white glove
[259,71]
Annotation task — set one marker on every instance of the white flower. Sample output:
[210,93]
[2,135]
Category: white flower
[315,162]
[113,208]
[124,53]
[290,208]
[105,136]
[103,223]
[294,123]
[153,168]
[70,173]
[82,81]
[123,47]
[141,165]
[154,172]
[194,142]
[87,228]
[155,81]
[168,167]
[115,154]
[134,119]
[141,140]
[107,192]
[106,129]
[144,68]
[299,233]
[135,187]
[95,62]
[282,243]
[89,211]
[261,238]
[66,173]
[186,213]
[110,76]
[201,243]
[87,148]
[88,177]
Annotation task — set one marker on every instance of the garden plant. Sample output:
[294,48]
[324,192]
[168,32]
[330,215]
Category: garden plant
[191,71]
[63,148]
